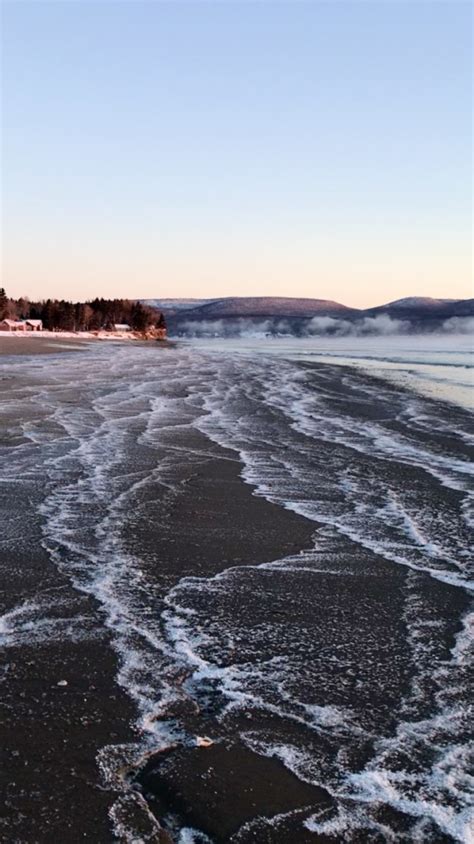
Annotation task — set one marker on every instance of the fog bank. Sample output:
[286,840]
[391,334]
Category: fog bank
[323,326]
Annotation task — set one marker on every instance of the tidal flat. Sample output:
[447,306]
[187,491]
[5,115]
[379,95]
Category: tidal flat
[236,594]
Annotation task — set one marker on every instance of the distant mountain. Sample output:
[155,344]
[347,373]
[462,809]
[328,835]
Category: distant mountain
[424,308]
[418,302]
[280,315]
[265,306]
[171,306]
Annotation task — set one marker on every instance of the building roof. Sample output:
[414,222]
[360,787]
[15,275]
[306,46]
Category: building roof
[34,321]
[121,326]
[13,322]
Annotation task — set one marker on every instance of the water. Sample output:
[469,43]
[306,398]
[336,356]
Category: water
[437,366]
[350,661]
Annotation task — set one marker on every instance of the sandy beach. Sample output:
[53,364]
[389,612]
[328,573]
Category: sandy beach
[38,345]
[60,700]
[213,620]
[53,732]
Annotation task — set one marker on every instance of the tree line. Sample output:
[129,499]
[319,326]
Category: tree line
[95,315]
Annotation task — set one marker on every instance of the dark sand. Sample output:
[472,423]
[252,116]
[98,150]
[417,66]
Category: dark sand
[50,733]
[207,521]
[222,787]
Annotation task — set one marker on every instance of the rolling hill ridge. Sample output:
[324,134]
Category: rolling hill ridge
[277,315]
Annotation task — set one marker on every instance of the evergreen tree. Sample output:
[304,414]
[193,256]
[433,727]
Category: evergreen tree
[140,318]
[95,315]
[23,308]
[4,304]
[47,315]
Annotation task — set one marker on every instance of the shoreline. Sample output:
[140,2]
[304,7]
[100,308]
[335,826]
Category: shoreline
[215,640]
[15,346]
[54,342]
[54,732]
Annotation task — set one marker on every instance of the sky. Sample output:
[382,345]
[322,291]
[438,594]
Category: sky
[206,149]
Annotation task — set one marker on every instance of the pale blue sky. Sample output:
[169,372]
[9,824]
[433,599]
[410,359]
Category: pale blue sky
[214,148]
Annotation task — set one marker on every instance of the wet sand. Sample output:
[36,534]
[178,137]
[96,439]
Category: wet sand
[51,733]
[39,345]
[318,650]
[224,788]
[49,345]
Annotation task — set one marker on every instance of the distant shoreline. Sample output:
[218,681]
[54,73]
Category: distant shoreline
[52,342]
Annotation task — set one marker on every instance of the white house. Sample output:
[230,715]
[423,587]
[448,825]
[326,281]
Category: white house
[12,325]
[34,324]
[121,326]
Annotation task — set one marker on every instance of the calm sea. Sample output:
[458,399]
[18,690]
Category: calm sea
[437,366]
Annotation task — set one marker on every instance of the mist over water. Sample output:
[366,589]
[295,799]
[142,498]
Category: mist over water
[439,366]
[326,327]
